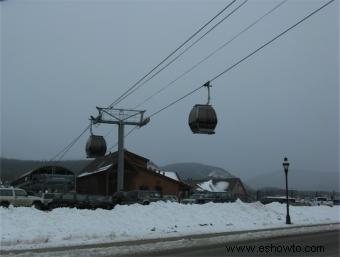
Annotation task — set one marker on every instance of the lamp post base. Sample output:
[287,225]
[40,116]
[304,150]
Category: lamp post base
[288,220]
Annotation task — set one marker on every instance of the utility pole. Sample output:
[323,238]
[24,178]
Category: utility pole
[120,117]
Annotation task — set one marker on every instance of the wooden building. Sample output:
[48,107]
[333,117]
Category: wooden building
[46,179]
[99,177]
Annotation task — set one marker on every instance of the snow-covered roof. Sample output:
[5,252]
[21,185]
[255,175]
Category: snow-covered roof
[220,186]
[152,166]
[105,168]
[171,174]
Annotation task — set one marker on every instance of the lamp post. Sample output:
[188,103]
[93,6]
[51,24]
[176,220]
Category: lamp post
[285,165]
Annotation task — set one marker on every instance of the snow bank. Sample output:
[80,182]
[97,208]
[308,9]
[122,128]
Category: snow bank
[27,227]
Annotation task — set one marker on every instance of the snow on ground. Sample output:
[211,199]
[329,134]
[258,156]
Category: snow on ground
[28,228]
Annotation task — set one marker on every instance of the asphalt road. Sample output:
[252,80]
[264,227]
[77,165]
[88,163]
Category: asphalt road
[322,243]
[317,244]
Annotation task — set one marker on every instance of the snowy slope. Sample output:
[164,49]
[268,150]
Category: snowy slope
[28,227]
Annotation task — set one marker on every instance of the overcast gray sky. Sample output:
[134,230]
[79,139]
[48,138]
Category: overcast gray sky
[60,59]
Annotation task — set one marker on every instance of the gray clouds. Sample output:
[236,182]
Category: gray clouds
[62,58]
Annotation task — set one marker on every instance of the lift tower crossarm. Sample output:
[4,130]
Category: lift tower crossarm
[120,117]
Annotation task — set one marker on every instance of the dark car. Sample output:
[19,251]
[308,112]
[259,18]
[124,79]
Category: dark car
[279,199]
[81,201]
[47,199]
[220,197]
[205,197]
[137,196]
[63,200]
[99,201]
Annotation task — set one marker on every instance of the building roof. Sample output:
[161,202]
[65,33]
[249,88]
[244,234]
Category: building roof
[170,174]
[102,169]
[220,186]
[108,162]
[215,183]
[155,168]
[46,169]
[98,164]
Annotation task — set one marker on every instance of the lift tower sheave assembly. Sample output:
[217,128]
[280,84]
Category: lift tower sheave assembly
[120,117]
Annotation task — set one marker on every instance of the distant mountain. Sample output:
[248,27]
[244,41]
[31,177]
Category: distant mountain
[13,168]
[191,170]
[298,180]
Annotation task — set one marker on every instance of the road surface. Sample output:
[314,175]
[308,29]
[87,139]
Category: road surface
[317,244]
[274,242]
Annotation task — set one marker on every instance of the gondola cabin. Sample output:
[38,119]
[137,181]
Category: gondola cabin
[95,146]
[202,119]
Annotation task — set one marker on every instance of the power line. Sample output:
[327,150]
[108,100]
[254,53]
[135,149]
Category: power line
[69,146]
[211,54]
[66,149]
[109,133]
[176,101]
[172,53]
[243,59]
[184,51]
[270,41]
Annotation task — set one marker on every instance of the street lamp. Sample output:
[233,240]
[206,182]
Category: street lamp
[285,165]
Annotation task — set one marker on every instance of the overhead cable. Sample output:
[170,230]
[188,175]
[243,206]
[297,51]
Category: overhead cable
[270,41]
[211,54]
[171,54]
[246,57]
[62,153]
[184,51]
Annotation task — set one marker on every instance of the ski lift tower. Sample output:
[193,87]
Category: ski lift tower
[120,117]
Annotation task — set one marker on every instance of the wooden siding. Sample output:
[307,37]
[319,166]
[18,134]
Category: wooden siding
[136,177]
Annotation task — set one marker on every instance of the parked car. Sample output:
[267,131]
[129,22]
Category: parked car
[205,197]
[279,199]
[18,197]
[197,198]
[220,197]
[47,199]
[63,200]
[322,201]
[144,197]
[171,198]
[336,202]
[100,201]
[81,201]
[188,201]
